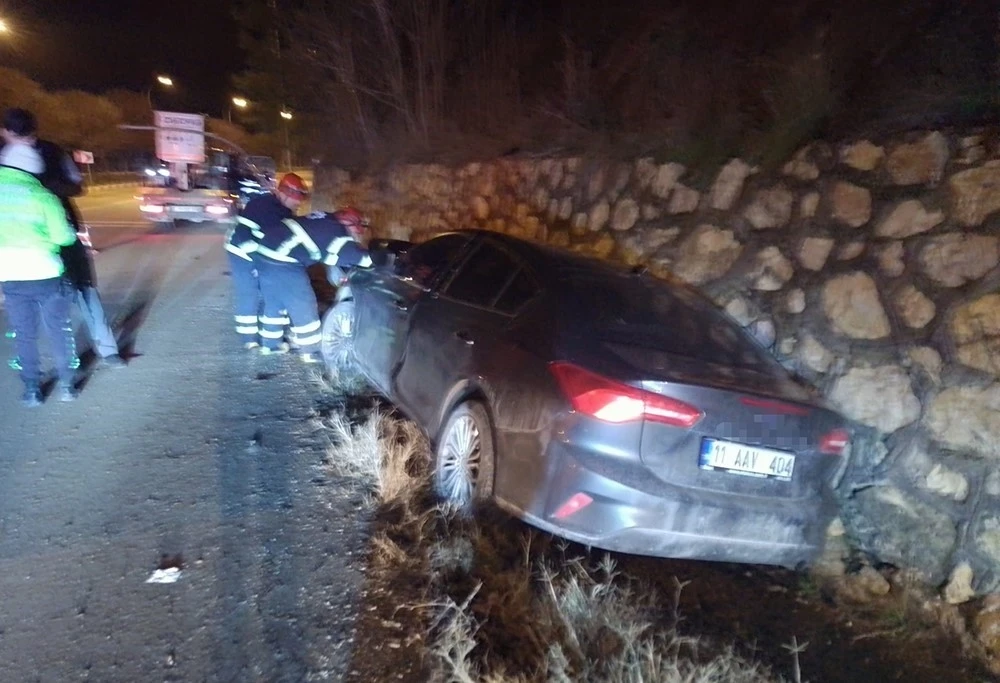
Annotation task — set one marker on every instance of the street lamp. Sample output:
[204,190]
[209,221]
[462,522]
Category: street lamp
[240,102]
[165,81]
[4,26]
[287,116]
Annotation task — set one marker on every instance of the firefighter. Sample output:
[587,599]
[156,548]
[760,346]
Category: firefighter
[282,256]
[241,243]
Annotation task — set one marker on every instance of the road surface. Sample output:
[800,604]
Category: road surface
[198,456]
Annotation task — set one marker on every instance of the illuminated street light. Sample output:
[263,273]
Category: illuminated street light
[165,81]
[287,115]
[4,27]
[240,102]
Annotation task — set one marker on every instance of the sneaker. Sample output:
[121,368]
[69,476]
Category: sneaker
[250,346]
[32,397]
[66,392]
[113,361]
[267,350]
[310,358]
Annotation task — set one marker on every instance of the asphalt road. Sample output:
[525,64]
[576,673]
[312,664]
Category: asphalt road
[196,455]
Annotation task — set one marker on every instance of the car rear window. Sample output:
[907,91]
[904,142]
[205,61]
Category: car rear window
[655,315]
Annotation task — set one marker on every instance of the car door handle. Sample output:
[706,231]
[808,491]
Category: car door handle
[466,337]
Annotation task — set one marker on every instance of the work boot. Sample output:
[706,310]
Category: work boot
[65,391]
[113,361]
[280,348]
[251,345]
[32,396]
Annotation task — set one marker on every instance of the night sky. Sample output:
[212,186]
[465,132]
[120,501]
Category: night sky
[96,45]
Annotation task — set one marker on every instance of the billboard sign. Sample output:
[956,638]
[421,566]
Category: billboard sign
[180,137]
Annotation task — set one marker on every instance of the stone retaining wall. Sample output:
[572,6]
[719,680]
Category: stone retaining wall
[870,268]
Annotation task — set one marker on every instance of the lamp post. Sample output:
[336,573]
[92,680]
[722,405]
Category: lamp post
[240,102]
[287,116]
[165,81]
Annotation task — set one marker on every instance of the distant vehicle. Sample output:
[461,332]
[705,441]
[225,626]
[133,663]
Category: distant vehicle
[599,404]
[213,191]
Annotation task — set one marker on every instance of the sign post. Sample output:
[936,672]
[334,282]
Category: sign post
[87,158]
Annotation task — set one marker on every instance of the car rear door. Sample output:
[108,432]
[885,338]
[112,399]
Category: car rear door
[386,301]
[454,332]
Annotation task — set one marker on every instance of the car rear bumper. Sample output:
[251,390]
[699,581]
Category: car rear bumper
[654,518]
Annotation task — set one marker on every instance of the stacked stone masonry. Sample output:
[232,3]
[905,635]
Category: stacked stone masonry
[870,269]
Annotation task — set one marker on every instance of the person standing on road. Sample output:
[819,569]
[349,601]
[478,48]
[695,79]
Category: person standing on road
[33,230]
[283,254]
[61,176]
[241,244]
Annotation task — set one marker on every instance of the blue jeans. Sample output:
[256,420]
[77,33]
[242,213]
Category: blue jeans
[48,302]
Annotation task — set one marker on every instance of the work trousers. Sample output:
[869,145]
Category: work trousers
[47,301]
[246,297]
[287,288]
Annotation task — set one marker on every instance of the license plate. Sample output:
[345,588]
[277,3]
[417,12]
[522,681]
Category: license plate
[746,460]
[186,209]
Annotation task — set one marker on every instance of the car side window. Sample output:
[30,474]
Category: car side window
[482,277]
[425,262]
[521,289]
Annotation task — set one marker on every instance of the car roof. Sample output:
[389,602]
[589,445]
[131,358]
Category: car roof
[550,263]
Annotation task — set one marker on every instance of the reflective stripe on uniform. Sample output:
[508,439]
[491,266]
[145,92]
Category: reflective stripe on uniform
[237,251]
[306,329]
[246,329]
[334,249]
[303,238]
[269,320]
[245,319]
[254,227]
[272,334]
[309,341]
[273,255]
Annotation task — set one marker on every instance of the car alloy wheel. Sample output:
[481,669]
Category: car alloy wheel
[463,471]
[337,346]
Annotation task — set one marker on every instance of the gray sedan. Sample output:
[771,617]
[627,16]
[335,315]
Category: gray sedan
[598,403]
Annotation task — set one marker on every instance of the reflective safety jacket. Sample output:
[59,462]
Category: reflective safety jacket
[33,228]
[259,215]
[316,238]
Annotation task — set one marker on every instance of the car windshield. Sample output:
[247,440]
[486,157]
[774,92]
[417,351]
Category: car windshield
[652,314]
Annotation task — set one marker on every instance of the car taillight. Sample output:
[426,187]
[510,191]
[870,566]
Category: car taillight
[834,443]
[616,402]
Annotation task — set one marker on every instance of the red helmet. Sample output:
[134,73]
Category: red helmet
[292,184]
[351,219]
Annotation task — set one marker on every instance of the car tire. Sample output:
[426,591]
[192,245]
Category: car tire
[464,459]
[337,348]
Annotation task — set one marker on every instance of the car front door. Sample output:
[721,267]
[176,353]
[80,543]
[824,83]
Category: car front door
[386,301]
[453,331]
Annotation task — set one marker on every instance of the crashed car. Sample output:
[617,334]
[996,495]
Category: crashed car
[598,403]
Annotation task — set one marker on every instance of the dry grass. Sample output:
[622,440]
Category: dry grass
[504,603]
[383,454]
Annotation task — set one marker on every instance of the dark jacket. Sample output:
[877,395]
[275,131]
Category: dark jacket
[316,238]
[61,177]
[261,214]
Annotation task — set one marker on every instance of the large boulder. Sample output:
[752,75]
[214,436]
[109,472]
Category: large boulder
[852,306]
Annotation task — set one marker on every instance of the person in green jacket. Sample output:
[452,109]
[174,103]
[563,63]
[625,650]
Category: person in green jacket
[33,230]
